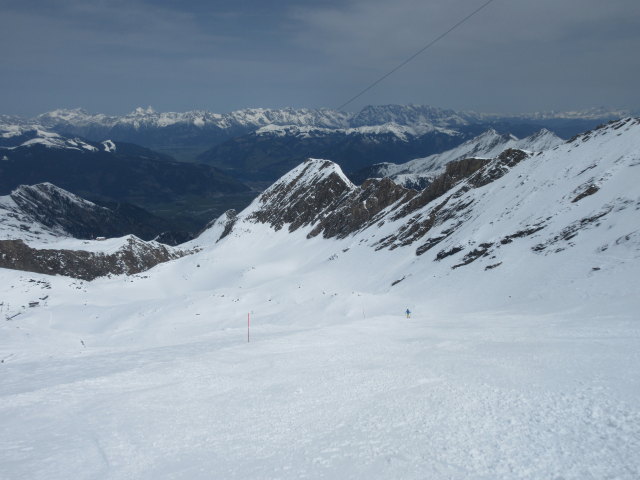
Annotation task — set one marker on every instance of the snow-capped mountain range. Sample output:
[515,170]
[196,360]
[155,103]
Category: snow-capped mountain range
[271,151]
[407,115]
[237,141]
[202,129]
[401,132]
[148,117]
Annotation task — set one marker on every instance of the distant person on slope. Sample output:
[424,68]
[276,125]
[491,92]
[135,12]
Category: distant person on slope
[408,312]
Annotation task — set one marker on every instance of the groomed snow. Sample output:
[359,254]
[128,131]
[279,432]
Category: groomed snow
[151,376]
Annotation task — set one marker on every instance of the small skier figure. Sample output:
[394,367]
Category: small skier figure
[408,312]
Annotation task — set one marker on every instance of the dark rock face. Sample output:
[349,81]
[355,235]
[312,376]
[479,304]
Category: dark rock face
[318,194]
[498,168]
[230,221]
[361,207]
[135,257]
[337,208]
[302,201]
[589,190]
[474,173]
[227,221]
[454,172]
[563,239]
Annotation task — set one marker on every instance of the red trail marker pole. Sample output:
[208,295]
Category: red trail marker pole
[248,325]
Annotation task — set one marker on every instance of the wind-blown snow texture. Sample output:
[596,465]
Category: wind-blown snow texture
[521,363]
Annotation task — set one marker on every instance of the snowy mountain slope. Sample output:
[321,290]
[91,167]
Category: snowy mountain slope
[46,229]
[318,189]
[484,215]
[419,172]
[41,212]
[45,212]
[18,224]
[518,366]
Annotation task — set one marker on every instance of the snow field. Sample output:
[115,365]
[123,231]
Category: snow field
[335,383]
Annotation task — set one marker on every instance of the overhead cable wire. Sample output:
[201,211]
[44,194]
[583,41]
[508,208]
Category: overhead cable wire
[430,44]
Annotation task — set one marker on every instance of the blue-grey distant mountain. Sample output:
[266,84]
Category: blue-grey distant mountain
[185,135]
[111,171]
[45,210]
[266,154]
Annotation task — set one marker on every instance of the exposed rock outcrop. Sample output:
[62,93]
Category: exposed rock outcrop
[318,194]
[466,175]
[361,207]
[134,257]
[303,196]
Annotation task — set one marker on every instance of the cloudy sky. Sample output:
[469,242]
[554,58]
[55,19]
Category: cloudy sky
[514,56]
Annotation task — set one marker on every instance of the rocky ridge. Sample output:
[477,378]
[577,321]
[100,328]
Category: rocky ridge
[553,197]
[134,256]
[42,228]
[418,173]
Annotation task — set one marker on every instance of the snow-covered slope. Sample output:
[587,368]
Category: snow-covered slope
[41,213]
[46,229]
[419,172]
[44,213]
[518,360]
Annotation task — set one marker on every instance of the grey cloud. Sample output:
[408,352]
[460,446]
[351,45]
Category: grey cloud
[513,56]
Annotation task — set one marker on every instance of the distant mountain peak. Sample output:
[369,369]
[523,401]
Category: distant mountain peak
[143,111]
